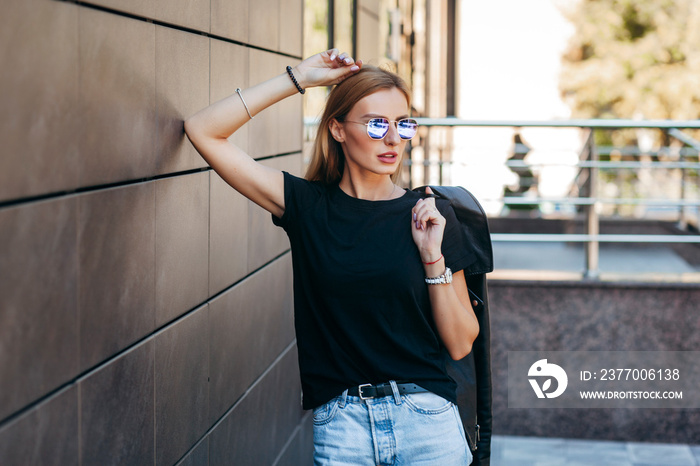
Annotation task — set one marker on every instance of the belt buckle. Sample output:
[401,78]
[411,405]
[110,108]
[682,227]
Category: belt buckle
[359,391]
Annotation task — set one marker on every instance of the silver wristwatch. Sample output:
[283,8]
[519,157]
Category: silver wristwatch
[443,279]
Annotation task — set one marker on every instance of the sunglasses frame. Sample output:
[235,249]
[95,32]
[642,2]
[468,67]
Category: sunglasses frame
[387,129]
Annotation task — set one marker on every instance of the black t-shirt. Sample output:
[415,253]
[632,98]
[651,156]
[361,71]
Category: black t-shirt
[362,309]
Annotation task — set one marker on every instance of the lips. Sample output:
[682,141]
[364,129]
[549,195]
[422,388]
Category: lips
[388,157]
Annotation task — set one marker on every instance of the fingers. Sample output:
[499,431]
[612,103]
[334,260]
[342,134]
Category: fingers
[425,213]
[337,75]
[341,58]
[338,59]
[327,68]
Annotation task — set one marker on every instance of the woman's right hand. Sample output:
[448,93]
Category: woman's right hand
[326,68]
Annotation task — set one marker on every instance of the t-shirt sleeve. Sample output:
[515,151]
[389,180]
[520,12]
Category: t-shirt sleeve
[458,254]
[298,192]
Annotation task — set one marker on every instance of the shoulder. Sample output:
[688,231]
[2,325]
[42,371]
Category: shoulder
[302,184]
[299,193]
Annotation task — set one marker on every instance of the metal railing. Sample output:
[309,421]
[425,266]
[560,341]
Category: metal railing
[584,192]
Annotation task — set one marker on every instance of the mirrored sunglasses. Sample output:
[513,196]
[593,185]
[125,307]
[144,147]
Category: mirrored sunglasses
[378,128]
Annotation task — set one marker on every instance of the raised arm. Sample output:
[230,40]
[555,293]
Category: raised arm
[210,128]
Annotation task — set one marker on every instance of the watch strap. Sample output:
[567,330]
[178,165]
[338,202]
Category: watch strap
[443,279]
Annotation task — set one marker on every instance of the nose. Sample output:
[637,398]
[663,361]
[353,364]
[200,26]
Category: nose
[392,137]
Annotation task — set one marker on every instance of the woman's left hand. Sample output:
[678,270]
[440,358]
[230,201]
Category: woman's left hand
[427,227]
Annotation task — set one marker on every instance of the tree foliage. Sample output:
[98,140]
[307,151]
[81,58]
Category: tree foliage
[633,59]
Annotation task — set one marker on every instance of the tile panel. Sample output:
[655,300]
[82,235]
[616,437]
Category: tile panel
[192,14]
[290,117]
[229,70]
[117,269]
[230,19]
[291,27]
[273,401]
[117,421]
[250,325]
[264,18]
[117,98]
[39,115]
[47,434]
[301,448]
[182,89]
[38,300]
[146,8]
[228,235]
[197,457]
[265,240]
[182,387]
[264,130]
[182,244]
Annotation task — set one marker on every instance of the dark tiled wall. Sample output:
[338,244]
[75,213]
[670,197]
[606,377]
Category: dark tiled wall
[559,316]
[145,306]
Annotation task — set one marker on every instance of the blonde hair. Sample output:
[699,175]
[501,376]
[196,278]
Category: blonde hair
[327,159]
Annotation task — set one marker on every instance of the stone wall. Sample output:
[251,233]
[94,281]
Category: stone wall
[591,316]
[145,306]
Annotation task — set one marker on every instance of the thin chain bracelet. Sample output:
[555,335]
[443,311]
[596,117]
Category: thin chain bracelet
[434,262]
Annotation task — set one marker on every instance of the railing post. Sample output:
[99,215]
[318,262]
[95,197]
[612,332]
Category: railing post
[682,223]
[592,221]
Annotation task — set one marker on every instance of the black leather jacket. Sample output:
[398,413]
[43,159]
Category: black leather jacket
[473,373]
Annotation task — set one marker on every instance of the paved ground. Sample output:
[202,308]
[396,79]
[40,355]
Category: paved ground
[531,451]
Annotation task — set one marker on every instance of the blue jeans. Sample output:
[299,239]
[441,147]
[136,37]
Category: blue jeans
[415,429]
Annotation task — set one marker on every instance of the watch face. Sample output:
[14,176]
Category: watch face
[448,275]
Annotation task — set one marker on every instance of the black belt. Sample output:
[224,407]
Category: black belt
[366,391]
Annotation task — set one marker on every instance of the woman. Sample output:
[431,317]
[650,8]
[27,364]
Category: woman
[375,303]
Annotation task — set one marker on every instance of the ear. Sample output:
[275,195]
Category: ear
[337,130]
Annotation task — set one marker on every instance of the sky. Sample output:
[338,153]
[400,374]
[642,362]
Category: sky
[510,59]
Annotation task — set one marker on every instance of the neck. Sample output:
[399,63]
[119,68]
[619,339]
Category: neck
[378,188]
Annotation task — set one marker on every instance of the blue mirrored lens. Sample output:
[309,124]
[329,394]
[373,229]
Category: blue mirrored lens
[407,128]
[377,128]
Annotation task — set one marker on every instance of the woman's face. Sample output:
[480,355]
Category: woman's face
[364,155]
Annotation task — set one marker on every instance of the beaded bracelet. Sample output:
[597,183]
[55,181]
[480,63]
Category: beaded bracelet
[294,80]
